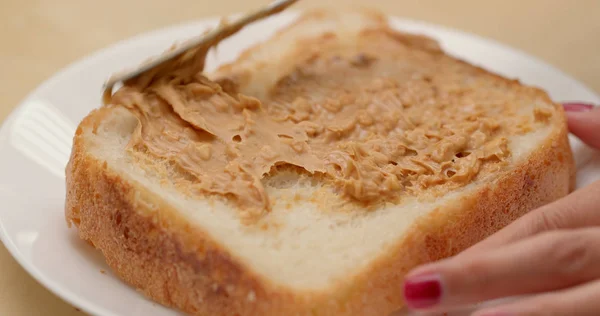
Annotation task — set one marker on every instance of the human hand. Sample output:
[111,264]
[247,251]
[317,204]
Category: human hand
[552,254]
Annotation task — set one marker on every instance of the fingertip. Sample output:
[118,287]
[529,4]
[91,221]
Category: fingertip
[584,122]
[424,269]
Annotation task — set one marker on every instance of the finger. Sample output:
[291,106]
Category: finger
[578,209]
[544,262]
[583,300]
[584,122]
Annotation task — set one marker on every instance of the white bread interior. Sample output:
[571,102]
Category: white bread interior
[309,248]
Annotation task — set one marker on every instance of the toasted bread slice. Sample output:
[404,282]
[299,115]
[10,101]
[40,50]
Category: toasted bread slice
[311,256]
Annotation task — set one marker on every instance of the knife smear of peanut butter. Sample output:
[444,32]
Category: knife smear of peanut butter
[189,57]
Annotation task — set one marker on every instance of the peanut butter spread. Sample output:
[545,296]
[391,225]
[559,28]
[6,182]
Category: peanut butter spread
[386,116]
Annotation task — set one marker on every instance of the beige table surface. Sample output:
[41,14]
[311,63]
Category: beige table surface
[41,36]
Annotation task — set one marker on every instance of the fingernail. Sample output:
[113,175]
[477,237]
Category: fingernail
[577,107]
[422,291]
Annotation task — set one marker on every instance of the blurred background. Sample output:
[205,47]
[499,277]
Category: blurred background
[39,37]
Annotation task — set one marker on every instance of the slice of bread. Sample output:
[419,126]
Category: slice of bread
[318,254]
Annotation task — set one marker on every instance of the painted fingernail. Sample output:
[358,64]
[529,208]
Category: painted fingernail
[422,291]
[577,107]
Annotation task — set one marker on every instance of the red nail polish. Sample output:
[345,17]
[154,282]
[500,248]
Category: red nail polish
[422,291]
[577,107]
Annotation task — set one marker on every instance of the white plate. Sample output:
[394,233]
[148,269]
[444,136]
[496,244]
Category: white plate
[35,143]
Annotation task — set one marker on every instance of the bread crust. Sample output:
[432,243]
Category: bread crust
[152,247]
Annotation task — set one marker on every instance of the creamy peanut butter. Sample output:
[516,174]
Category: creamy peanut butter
[375,120]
